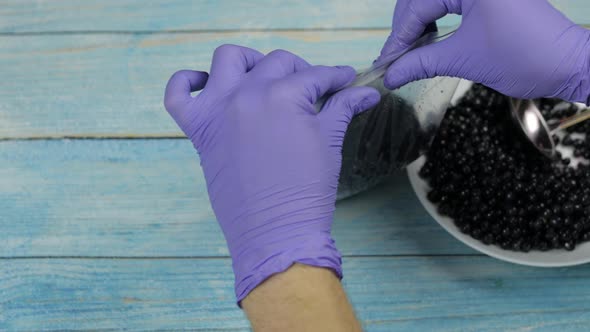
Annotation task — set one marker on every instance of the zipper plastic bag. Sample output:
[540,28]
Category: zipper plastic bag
[398,130]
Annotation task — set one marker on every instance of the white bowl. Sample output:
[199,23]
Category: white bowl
[551,258]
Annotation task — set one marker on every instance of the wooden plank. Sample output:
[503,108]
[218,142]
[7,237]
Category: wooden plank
[105,85]
[389,294]
[148,198]
[166,15]
[112,85]
[32,16]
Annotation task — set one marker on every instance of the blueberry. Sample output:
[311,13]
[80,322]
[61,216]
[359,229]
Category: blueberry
[510,196]
[516,233]
[556,243]
[488,239]
[434,196]
[555,222]
[550,234]
[568,209]
[526,247]
[539,223]
[543,246]
[476,233]
[443,210]
[466,228]
[566,235]
[506,245]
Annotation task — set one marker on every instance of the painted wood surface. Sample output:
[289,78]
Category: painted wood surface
[36,16]
[148,198]
[113,85]
[389,294]
[166,15]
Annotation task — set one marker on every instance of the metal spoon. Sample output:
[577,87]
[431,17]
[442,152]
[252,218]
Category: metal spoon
[533,125]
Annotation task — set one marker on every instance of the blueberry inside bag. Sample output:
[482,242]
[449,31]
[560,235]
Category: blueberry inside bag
[396,131]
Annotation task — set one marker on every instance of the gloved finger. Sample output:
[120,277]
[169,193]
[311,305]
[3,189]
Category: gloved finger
[231,62]
[316,81]
[179,88]
[439,59]
[278,64]
[345,105]
[411,18]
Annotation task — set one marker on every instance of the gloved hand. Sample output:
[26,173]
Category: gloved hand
[523,48]
[270,160]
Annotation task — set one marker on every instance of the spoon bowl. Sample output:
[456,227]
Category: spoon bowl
[533,125]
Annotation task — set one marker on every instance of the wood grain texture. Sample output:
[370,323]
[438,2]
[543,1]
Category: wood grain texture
[389,294]
[148,198]
[105,85]
[112,84]
[17,16]
[166,15]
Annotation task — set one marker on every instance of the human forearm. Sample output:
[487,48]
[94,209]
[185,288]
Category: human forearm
[303,298]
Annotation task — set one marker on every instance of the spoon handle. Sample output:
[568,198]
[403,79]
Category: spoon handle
[572,120]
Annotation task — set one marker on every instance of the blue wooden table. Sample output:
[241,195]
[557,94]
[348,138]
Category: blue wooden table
[104,218]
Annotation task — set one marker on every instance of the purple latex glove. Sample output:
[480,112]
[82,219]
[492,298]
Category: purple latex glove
[522,48]
[270,160]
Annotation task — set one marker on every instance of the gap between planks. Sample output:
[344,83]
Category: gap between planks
[225,257]
[197,31]
[94,137]
[189,31]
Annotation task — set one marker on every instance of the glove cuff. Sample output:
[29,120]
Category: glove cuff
[319,251]
[576,87]
[582,93]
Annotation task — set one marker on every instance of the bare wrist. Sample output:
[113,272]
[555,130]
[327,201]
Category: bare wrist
[303,298]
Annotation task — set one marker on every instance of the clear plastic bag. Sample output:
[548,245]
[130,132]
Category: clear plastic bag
[398,130]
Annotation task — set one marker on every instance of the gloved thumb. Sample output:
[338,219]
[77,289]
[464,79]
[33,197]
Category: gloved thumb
[179,88]
[345,105]
[438,59]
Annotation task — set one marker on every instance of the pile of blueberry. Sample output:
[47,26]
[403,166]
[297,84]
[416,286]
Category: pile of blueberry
[497,188]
